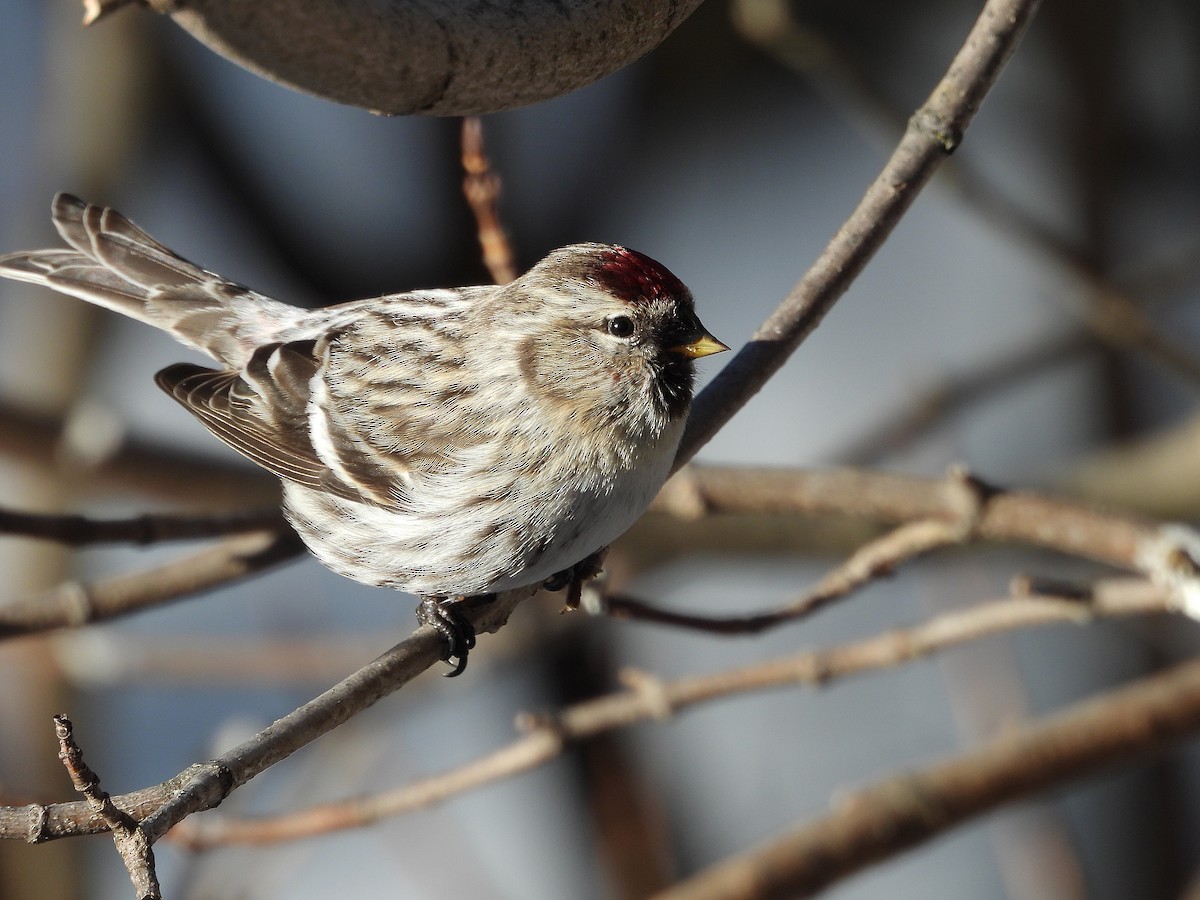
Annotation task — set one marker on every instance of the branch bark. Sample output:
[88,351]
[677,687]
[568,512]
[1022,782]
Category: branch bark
[1148,717]
[205,785]
[649,699]
[74,604]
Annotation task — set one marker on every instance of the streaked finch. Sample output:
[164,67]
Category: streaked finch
[442,442]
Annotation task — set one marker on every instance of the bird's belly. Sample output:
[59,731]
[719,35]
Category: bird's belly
[470,548]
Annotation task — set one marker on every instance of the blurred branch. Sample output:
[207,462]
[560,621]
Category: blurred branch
[933,133]
[205,785]
[76,531]
[869,562]
[1149,716]
[43,440]
[650,699]
[930,513]
[1004,516]
[481,186]
[73,604]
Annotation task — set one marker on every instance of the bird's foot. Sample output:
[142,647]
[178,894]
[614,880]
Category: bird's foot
[442,614]
[574,578]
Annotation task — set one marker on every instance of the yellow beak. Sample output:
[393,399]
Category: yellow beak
[705,345]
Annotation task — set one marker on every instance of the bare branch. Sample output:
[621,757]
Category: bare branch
[1147,717]
[481,186]
[1021,517]
[134,849]
[1110,314]
[648,699]
[76,531]
[205,785]
[73,604]
[871,561]
[933,132]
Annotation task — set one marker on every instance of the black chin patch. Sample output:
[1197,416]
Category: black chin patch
[675,383]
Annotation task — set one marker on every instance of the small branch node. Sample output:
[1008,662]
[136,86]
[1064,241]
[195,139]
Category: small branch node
[39,816]
[683,496]
[969,496]
[1171,559]
[940,129]
[652,691]
[77,605]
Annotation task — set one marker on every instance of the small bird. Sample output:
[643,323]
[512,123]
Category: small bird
[447,443]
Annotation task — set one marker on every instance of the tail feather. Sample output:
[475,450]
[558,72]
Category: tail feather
[107,237]
[116,265]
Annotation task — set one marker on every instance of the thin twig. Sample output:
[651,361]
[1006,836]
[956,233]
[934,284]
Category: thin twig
[933,132]
[481,186]
[132,845]
[970,511]
[932,513]
[74,604]
[150,528]
[1020,517]
[873,560]
[205,785]
[649,699]
[1147,717]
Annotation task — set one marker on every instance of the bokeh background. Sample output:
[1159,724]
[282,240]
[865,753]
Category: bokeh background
[731,153]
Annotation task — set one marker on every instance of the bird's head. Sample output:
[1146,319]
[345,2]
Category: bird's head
[611,332]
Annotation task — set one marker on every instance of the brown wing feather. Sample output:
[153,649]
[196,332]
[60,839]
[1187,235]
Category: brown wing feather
[260,412]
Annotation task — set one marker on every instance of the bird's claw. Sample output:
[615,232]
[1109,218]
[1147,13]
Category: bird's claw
[442,614]
[574,577]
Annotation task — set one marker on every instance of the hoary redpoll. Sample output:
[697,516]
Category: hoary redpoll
[442,442]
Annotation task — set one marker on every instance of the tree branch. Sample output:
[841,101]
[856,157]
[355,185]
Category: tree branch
[74,604]
[1148,717]
[47,441]
[205,785]
[481,187]
[1021,517]
[78,531]
[649,699]
[134,849]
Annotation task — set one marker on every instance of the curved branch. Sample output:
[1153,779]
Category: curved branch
[74,604]
[1021,517]
[1149,716]
[205,785]
[149,528]
[648,699]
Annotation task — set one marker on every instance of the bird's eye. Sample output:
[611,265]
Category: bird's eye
[620,326]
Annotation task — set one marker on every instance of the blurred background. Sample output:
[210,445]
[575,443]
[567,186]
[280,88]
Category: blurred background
[983,333]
